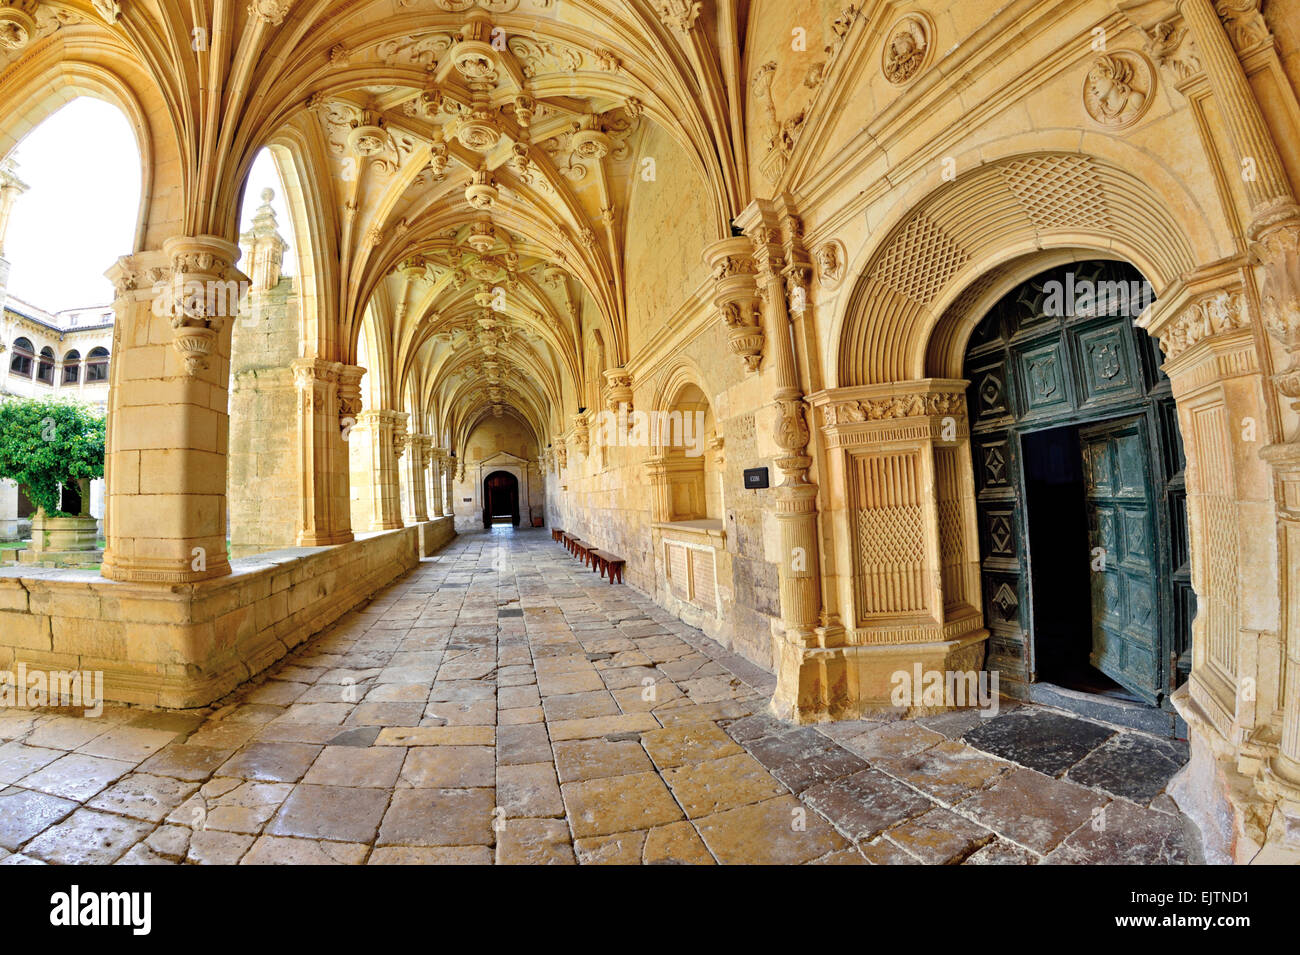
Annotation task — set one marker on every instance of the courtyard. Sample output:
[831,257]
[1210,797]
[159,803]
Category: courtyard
[499,703]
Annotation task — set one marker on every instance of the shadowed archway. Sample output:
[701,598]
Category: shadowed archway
[500,498]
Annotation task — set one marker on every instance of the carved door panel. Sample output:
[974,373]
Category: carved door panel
[1124,559]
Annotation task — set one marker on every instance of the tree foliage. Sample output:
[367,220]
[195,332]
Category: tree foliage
[47,443]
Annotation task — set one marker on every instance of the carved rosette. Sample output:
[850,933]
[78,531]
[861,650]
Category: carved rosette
[907,51]
[17,24]
[736,298]
[202,295]
[618,389]
[1275,243]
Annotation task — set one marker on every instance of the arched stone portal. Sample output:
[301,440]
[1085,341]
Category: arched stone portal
[1080,489]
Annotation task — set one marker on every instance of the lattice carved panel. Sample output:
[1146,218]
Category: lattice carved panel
[1059,192]
[889,574]
[921,260]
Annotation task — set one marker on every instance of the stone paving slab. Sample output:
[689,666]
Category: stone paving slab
[500,704]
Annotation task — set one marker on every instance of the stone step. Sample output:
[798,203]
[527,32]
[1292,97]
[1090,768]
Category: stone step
[1138,716]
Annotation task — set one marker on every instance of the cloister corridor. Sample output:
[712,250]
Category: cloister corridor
[500,703]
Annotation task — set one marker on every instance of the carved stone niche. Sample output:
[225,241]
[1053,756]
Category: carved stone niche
[736,297]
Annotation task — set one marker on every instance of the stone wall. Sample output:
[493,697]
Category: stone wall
[263,496]
[188,645]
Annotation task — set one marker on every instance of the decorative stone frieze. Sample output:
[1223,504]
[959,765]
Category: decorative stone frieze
[1209,315]
[857,411]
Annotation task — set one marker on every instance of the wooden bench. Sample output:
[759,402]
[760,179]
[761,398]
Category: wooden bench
[567,540]
[582,550]
[608,564]
[556,534]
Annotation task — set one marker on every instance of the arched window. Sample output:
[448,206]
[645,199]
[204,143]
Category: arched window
[45,367]
[72,367]
[24,358]
[97,365]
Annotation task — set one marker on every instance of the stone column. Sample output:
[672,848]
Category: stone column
[807,687]
[349,407]
[417,451]
[1275,243]
[452,471]
[323,516]
[376,447]
[165,465]
[437,456]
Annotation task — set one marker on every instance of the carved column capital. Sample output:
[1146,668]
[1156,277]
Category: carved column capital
[350,392]
[203,293]
[735,272]
[618,388]
[581,434]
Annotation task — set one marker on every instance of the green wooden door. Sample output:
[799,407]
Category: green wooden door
[1123,556]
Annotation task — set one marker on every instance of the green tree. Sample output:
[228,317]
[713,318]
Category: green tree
[45,444]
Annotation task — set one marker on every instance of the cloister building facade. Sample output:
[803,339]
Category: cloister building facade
[1004,296]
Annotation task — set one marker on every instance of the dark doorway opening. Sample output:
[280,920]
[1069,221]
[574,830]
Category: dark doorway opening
[500,499]
[1059,556]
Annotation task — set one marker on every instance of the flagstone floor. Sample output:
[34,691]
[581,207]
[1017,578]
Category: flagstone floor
[501,703]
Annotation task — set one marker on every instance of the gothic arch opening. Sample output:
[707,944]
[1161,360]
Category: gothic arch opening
[56,305]
[262,500]
[1079,487]
[500,499]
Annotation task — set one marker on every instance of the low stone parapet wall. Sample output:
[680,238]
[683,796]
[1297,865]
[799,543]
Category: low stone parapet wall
[435,534]
[186,645]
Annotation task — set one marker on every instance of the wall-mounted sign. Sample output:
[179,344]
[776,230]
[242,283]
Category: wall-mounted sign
[755,478]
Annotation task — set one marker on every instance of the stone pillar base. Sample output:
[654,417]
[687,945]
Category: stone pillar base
[821,684]
[325,539]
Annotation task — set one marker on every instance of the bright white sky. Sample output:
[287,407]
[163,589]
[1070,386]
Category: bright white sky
[77,218]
